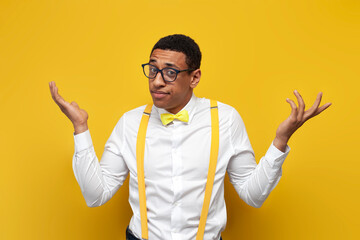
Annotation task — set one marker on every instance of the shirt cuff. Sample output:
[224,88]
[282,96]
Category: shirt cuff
[82,141]
[275,157]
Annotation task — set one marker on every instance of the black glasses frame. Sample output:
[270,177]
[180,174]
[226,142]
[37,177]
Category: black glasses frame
[161,71]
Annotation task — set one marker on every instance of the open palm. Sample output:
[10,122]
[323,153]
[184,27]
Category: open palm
[72,110]
[299,116]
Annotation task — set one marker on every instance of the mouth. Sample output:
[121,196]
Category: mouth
[159,94]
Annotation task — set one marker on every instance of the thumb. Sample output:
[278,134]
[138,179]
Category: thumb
[74,104]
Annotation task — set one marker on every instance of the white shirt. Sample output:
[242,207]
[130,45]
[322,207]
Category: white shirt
[176,166]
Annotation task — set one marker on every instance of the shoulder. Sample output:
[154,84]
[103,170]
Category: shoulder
[231,120]
[205,103]
[230,115]
[134,113]
[131,118]
[226,111]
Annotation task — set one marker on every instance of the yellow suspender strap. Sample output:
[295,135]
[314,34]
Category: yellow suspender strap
[140,148]
[212,167]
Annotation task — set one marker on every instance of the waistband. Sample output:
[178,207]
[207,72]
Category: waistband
[131,236]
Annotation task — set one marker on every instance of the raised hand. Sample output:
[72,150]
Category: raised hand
[297,118]
[77,116]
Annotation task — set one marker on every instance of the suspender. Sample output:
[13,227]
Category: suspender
[212,167]
[140,148]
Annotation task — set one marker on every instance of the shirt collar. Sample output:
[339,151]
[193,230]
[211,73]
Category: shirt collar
[190,107]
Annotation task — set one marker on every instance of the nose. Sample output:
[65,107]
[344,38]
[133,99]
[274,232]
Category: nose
[158,81]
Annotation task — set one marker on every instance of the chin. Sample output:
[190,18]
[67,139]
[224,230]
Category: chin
[161,104]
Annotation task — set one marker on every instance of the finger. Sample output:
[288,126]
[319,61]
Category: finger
[56,93]
[59,99]
[301,105]
[311,111]
[74,104]
[52,89]
[322,108]
[294,110]
[55,98]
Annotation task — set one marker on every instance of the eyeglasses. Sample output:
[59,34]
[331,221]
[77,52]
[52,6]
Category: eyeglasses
[168,74]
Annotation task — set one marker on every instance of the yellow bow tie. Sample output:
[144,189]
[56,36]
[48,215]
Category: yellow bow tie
[167,118]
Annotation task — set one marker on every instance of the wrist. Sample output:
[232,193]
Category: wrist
[280,143]
[80,128]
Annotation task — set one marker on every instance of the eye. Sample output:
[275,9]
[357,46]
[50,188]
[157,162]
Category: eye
[170,72]
[153,69]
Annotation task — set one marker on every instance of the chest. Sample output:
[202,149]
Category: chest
[178,149]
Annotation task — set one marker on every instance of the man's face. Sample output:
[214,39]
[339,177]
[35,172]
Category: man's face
[172,96]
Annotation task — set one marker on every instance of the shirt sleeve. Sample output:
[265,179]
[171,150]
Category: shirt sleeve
[253,182]
[99,181]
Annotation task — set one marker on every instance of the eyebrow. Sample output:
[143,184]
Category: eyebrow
[167,64]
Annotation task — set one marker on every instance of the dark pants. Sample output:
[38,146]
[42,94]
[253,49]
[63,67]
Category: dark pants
[130,235]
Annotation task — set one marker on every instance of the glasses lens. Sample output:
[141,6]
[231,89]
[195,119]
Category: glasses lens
[169,74]
[150,71]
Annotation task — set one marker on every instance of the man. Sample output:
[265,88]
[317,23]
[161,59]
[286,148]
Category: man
[177,153]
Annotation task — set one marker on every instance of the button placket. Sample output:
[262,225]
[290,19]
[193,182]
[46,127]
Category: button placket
[176,178]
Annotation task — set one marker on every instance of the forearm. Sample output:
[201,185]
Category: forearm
[259,185]
[97,184]
[88,175]
[256,182]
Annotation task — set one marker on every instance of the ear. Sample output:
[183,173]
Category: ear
[195,78]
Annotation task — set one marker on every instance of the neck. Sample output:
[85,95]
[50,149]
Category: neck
[175,110]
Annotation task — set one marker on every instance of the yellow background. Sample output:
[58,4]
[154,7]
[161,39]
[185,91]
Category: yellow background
[255,53]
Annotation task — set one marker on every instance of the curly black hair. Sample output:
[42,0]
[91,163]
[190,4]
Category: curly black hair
[184,44]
